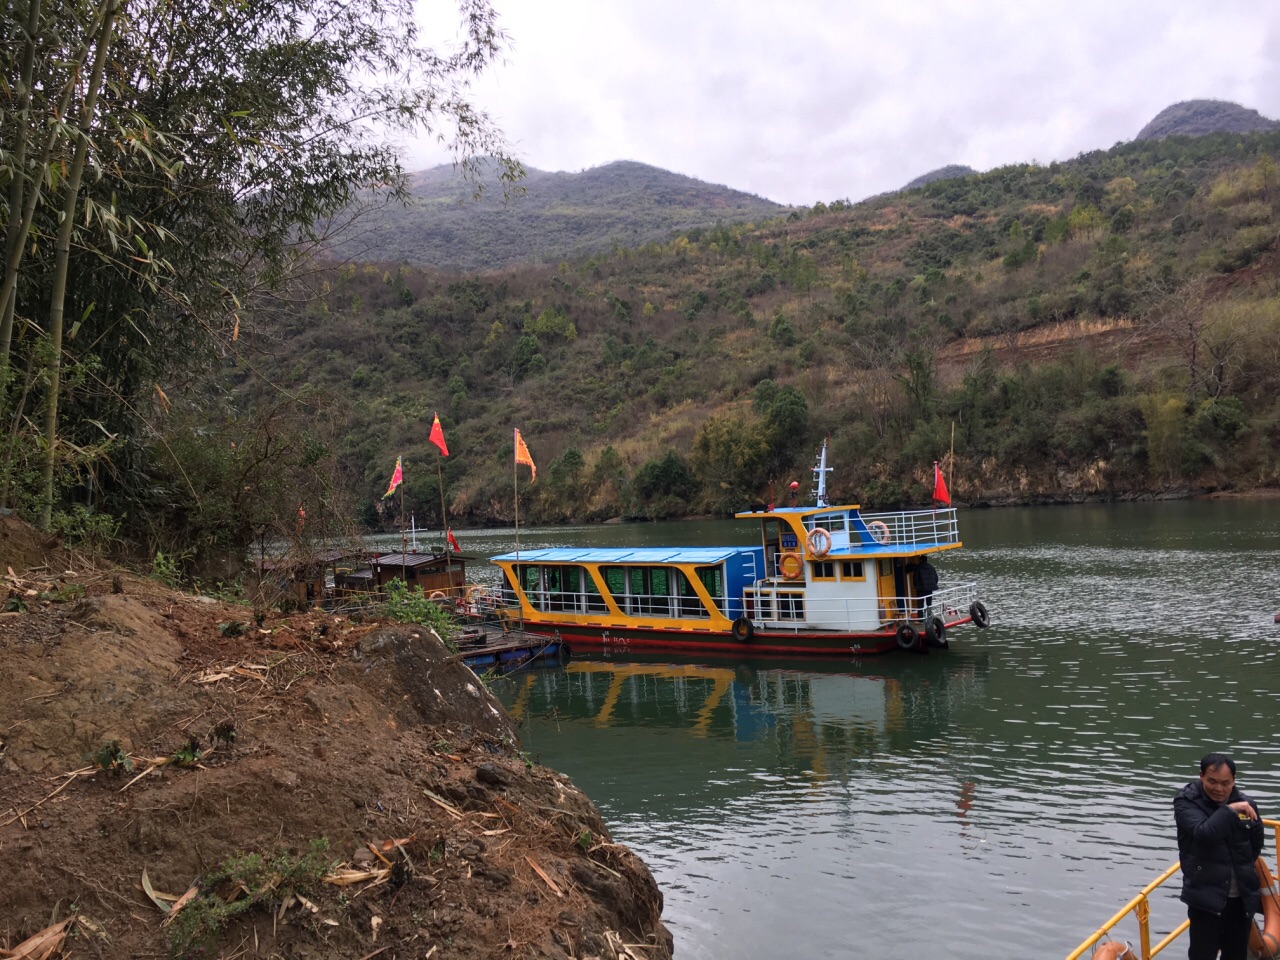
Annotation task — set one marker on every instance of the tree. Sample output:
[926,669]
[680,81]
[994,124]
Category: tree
[222,140]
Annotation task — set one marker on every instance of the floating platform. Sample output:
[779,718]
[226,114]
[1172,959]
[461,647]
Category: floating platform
[489,647]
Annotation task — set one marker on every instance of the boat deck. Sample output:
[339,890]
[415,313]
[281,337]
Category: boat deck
[488,647]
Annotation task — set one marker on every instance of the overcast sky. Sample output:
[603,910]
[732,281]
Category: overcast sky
[807,100]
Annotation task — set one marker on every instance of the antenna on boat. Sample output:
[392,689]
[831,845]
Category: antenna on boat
[820,471]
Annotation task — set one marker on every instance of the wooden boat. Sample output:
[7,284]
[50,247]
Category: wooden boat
[824,580]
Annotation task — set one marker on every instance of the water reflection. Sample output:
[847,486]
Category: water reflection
[1008,794]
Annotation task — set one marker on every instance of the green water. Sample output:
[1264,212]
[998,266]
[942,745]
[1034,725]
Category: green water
[1002,798]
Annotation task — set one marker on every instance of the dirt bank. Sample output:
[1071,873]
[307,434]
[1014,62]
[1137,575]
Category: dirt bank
[378,784]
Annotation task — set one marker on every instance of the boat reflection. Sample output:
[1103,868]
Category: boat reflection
[809,718]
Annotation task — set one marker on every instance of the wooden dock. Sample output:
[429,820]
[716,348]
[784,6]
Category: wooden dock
[489,647]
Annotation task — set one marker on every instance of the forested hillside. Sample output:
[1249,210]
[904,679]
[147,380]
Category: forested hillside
[548,217]
[1104,327]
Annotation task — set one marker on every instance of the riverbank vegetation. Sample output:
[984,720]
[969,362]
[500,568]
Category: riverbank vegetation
[1103,327]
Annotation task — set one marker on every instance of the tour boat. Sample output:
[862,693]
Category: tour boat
[824,580]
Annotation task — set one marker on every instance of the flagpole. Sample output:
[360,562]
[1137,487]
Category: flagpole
[404,545]
[952,460]
[444,522]
[515,493]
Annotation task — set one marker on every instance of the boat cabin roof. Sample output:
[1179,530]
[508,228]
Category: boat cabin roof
[625,555]
[801,512]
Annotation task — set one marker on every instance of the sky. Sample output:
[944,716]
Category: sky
[801,101]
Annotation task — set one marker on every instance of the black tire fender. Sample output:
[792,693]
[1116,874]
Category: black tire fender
[908,636]
[978,613]
[935,631]
[743,630]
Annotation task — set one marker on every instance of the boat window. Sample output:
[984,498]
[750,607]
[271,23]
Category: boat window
[852,570]
[713,582]
[790,606]
[828,521]
[595,602]
[886,567]
[689,604]
[822,570]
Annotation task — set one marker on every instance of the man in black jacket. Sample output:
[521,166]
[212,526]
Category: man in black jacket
[1219,838]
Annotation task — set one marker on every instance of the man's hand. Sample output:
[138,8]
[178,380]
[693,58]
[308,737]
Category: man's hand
[1243,809]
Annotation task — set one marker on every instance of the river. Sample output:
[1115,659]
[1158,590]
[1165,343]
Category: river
[1002,798]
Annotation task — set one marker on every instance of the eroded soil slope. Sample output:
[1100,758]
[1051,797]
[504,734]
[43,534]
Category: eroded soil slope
[366,744]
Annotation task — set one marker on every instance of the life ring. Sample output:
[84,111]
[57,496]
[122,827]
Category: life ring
[935,631]
[879,530]
[819,541]
[1266,942]
[743,630]
[436,595]
[979,615]
[908,637]
[1113,950]
[791,566]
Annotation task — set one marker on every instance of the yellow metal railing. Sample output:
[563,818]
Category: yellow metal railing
[1140,907]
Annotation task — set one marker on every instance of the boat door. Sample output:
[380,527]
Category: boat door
[887,589]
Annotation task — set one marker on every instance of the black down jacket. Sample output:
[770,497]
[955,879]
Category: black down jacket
[1213,844]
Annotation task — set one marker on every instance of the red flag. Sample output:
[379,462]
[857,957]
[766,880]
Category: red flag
[453,542]
[396,479]
[523,456]
[437,436]
[940,494]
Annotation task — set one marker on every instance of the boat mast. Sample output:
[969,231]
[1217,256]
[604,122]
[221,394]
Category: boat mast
[820,472]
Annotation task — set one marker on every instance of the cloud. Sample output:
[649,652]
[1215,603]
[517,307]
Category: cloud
[820,100]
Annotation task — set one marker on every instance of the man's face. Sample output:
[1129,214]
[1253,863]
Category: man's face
[1217,782]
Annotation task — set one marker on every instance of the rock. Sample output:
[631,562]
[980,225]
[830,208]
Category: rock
[492,774]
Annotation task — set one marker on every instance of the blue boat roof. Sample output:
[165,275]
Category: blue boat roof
[704,555]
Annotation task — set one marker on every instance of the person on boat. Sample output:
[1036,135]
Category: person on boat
[1219,838]
[924,580]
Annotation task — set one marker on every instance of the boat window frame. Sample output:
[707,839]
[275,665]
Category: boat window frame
[836,522]
[816,572]
[789,604]
[851,577]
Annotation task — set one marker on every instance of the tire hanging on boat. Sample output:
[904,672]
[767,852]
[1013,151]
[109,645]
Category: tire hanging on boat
[743,630]
[979,615]
[935,631]
[908,637]
[1265,942]
[819,541]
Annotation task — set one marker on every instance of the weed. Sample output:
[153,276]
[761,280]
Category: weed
[224,733]
[188,753]
[167,568]
[585,840]
[110,758]
[84,529]
[232,628]
[409,605]
[72,591]
[15,604]
[242,883]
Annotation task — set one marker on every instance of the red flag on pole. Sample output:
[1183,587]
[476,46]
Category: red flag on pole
[453,542]
[940,493]
[437,436]
[396,479]
[523,456]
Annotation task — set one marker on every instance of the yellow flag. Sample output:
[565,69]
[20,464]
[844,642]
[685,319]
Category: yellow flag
[522,455]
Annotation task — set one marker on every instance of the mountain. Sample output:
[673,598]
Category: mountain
[558,216]
[949,172]
[1106,326]
[1194,118]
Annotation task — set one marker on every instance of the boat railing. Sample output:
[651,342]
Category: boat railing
[912,528]
[1140,907]
[787,605]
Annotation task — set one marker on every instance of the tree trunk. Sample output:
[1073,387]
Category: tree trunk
[63,257]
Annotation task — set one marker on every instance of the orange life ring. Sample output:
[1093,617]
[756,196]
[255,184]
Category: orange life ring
[879,530]
[791,566]
[1113,950]
[1266,942]
[436,595]
[819,541]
